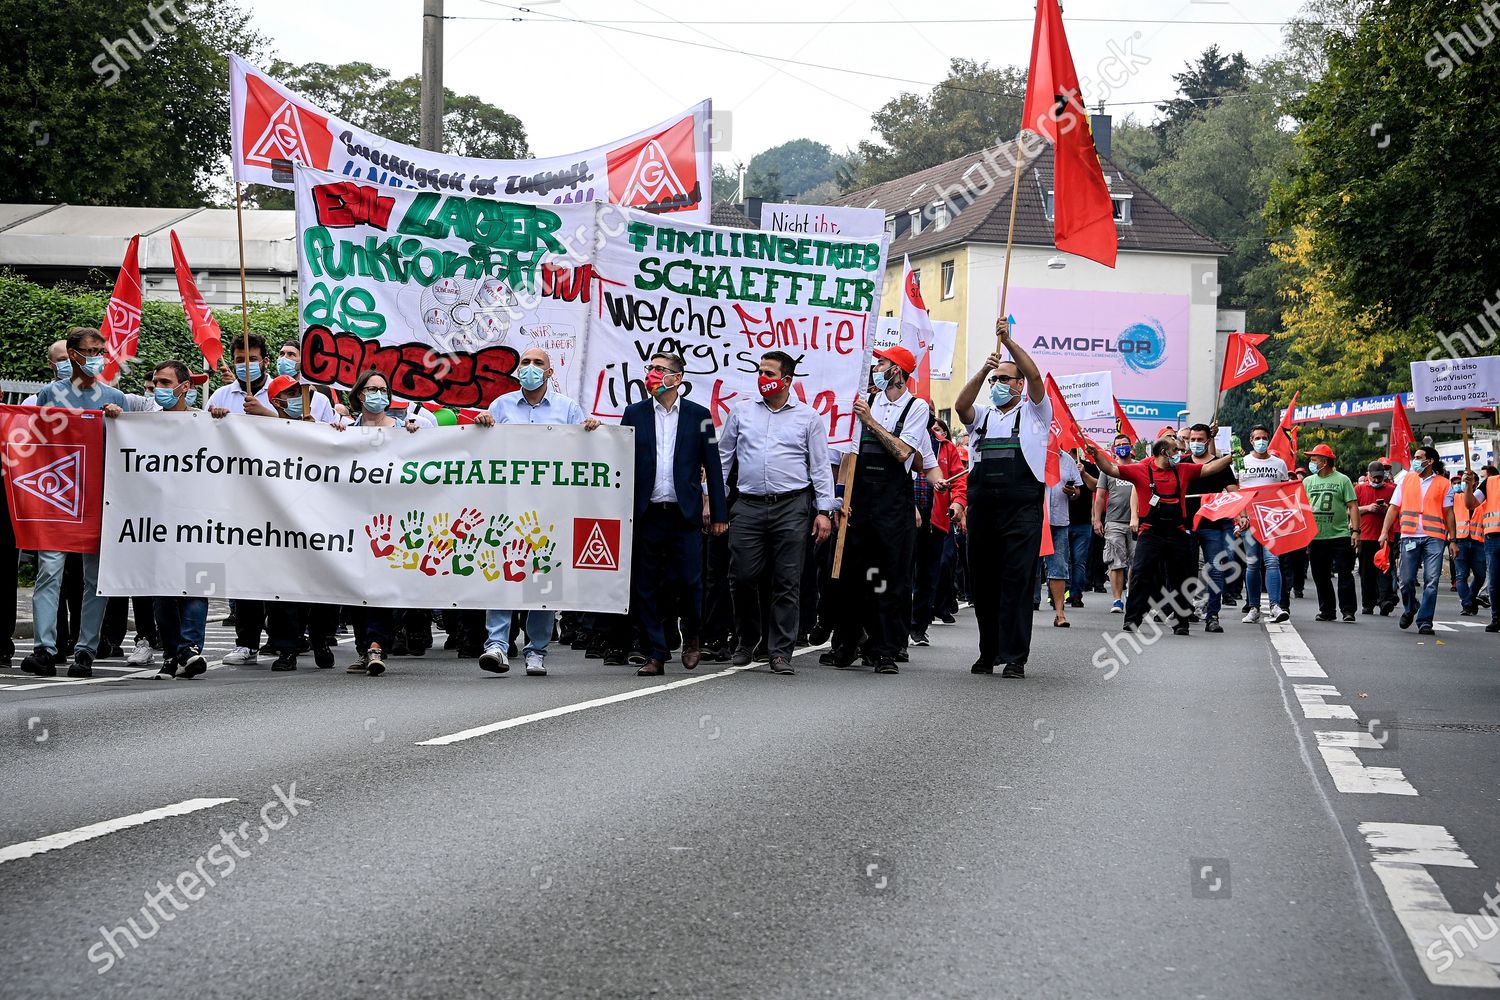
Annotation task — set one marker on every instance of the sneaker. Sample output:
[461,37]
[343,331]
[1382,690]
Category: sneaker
[285,662]
[1279,614]
[323,657]
[167,672]
[946,620]
[267,649]
[920,639]
[535,664]
[193,662]
[494,660]
[375,660]
[1349,618]
[741,657]
[886,667]
[1493,626]
[1014,671]
[1252,617]
[142,655]
[1469,612]
[781,665]
[1181,630]
[1195,618]
[83,664]
[1322,618]
[616,658]
[1212,625]
[1423,629]
[1117,608]
[358,666]
[40,662]
[636,658]
[1407,618]
[242,656]
[982,666]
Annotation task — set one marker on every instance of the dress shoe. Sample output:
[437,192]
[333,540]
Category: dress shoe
[982,666]
[691,656]
[741,657]
[616,658]
[781,665]
[1014,671]
[652,668]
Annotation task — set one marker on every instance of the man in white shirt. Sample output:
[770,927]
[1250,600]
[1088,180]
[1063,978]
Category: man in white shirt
[1262,566]
[1008,467]
[251,365]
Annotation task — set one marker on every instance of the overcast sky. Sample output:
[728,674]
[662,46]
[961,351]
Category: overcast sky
[581,85]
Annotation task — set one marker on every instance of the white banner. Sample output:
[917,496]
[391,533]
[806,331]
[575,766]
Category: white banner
[822,220]
[724,297]
[514,516]
[945,335]
[665,168]
[440,292]
[1455,383]
[1090,395]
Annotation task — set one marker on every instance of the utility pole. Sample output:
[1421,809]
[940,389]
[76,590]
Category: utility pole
[432,74]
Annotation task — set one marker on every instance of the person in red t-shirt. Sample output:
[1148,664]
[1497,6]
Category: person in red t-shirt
[934,549]
[1376,586]
[1165,557]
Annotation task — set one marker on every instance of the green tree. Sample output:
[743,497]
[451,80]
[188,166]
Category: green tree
[1201,86]
[975,107]
[90,118]
[800,165]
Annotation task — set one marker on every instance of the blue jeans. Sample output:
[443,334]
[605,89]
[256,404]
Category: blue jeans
[44,598]
[1492,558]
[1213,540]
[1080,540]
[180,621]
[1263,568]
[1427,553]
[1471,562]
[538,630]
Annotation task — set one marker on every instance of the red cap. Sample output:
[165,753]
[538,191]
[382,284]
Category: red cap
[900,357]
[1322,451]
[1164,432]
[280,384]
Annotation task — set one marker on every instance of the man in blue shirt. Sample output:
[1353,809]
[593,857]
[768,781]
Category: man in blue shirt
[83,391]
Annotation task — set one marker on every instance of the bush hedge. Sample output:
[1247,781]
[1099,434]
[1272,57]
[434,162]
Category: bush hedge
[33,316]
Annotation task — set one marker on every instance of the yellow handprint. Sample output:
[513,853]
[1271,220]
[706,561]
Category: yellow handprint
[488,566]
[439,526]
[529,527]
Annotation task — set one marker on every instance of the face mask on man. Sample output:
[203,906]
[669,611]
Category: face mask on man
[531,377]
[64,369]
[1198,448]
[1315,466]
[286,366]
[880,380]
[768,386]
[293,407]
[252,371]
[94,366]
[1176,457]
[1001,394]
[165,398]
[1261,445]
[1123,451]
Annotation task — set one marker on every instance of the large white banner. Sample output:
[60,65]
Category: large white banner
[1090,395]
[513,516]
[822,220]
[1455,383]
[724,297]
[940,355]
[665,168]
[440,292]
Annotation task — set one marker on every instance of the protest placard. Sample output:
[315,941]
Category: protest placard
[822,220]
[1455,383]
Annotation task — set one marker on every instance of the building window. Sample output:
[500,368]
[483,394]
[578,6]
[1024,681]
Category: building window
[948,270]
[916,222]
[1047,205]
[889,313]
[940,214]
[1122,211]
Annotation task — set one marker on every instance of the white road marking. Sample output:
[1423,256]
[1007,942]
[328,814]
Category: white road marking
[1310,697]
[56,841]
[147,672]
[1453,949]
[1296,659]
[1349,775]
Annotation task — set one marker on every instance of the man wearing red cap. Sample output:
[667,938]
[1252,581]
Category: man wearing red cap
[873,598]
[1335,508]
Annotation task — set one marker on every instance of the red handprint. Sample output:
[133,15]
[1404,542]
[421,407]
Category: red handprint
[432,559]
[379,532]
[515,553]
[468,520]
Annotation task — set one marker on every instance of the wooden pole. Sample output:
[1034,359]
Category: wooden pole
[846,477]
[1010,234]
[239,221]
[1463,430]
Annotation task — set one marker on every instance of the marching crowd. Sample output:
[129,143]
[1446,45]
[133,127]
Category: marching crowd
[748,561]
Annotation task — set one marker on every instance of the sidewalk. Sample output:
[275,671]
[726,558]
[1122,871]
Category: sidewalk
[25,628]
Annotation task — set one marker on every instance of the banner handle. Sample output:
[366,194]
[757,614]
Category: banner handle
[1463,430]
[846,477]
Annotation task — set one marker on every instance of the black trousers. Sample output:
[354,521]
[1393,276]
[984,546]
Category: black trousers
[1377,587]
[8,558]
[117,620]
[718,608]
[286,621]
[668,582]
[249,623]
[1165,560]
[874,588]
[769,539]
[1005,535]
[1293,574]
[1332,562]
[377,625]
[926,598]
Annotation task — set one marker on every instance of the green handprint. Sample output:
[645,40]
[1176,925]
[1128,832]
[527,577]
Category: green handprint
[464,554]
[529,527]
[413,535]
[541,560]
[494,534]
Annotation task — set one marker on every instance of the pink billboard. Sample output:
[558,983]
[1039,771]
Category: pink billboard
[1141,339]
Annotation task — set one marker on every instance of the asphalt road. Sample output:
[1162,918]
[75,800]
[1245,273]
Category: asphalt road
[1167,829]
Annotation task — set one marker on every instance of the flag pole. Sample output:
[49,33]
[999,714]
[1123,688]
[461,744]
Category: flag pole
[1010,233]
[239,222]
[1463,430]
[846,478]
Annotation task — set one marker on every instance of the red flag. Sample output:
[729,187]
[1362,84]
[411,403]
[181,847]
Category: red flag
[205,328]
[1220,505]
[1284,441]
[1123,423]
[54,476]
[448,418]
[1083,212]
[1242,362]
[122,317]
[1280,516]
[1065,432]
[1401,436]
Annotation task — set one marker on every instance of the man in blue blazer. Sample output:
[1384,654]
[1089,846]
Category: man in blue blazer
[679,493]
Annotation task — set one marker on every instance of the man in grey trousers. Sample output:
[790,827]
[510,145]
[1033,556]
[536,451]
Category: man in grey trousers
[778,446]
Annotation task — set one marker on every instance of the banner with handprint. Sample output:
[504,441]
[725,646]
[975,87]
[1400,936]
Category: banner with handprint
[513,517]
[442,293]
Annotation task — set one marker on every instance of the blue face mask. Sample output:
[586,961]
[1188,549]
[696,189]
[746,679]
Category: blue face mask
[1198,447]
[1001,394]
[1123,451]
[376,402]
[1261,445]
[254,375]
[165,398]
[1315,467]
[880,381]
[1177,458]
[293,408]
[190,397]
[286,366]
[531,377]
[64,370]
[94,366]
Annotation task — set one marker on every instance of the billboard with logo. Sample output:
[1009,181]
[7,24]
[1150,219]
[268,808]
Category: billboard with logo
[1142,339]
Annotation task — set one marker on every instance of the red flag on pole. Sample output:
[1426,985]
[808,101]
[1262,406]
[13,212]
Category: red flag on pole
[1284,441]
[1402,439]
[1083,212]
[1242,362]
[1065,432]
[1122,422]
[205,328]
[1220,505]
[122,317]
[54,476]
[1280,516]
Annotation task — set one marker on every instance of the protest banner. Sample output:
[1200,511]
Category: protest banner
[440,292]
[54,476]
[665,168]
[517,516]
[1455,384]
[940,357]
[822,220]
[1090,395]
[722,298]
